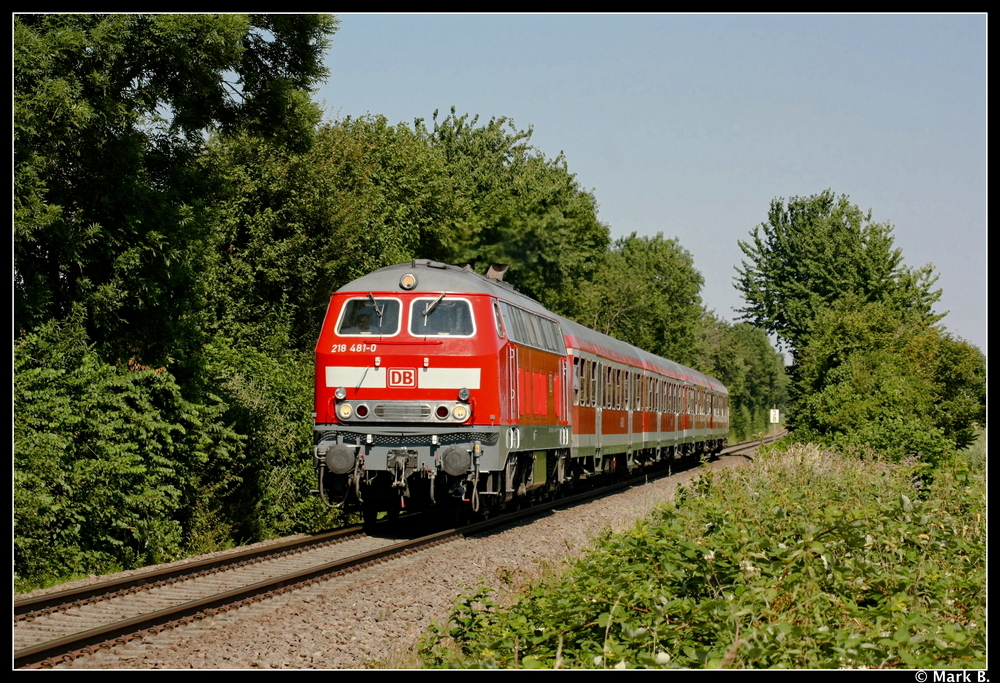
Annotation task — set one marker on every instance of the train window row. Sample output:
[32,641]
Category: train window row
[531,329]
[597,384]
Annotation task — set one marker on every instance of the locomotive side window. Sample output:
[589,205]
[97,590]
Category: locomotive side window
[527,333]
[369,316]
[531,329]
[534,331]
[441,316]
[496,319]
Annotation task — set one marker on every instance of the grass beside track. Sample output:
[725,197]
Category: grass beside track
[809,559]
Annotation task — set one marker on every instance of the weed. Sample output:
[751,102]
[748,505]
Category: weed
[808,559]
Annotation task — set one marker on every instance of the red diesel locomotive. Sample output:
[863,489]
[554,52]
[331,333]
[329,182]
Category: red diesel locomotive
[439,386]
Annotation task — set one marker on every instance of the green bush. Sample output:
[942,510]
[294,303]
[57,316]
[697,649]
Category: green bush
[108,460]
[806,560]
[269,398]
[872,376]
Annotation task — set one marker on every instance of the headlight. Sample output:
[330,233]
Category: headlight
[344,411]
[460,412]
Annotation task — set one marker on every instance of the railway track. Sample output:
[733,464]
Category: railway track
[750,446]
[60,627]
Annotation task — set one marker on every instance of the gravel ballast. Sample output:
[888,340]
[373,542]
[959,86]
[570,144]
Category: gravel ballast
[375,618]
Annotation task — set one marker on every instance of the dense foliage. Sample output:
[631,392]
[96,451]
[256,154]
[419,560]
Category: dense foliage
[181,216]
[871,367]
[112,465]
[111,200]
[516,207]
[817,250]
[805,560]
[648,293]
[298,225]
[878,376]
[139,432]
[742,358]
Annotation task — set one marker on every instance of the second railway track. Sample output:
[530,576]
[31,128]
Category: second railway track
[60,625]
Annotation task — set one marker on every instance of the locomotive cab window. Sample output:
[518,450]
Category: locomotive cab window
[441,316]
[369,316]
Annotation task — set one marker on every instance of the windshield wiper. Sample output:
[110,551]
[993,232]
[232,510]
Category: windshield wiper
[378,309]
[431,306]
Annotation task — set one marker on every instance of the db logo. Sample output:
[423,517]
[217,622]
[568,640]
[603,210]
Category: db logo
[402,377]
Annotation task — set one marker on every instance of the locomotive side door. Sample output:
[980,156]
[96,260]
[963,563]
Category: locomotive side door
[512,378]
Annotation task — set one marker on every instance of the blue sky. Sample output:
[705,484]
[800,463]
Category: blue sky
[690,125]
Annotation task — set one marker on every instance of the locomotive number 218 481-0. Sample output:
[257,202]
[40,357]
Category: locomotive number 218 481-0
[355,348]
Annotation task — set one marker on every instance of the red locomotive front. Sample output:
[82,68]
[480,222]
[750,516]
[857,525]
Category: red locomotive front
[418,384]
[436,385]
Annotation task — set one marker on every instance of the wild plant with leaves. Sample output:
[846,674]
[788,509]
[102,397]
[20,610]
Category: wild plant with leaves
[807,560]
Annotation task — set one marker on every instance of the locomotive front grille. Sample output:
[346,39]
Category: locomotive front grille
[399,440]
[486,438]
[402,412]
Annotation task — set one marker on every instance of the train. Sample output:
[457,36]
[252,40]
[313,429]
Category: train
[440,387]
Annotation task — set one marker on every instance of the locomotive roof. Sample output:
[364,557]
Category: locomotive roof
[436,277]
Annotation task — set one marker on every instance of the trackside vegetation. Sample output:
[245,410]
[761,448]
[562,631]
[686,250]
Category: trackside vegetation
[182,213]
[805,559]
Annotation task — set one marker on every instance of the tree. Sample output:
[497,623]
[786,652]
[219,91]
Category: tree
[299,225]
[647,293]
[519,208]
[741,357]
[113,467]
[117,234]
[870,368]
[111,204]
[813,252]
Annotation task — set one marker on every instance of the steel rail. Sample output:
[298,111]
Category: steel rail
[52,602]
[54,651]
